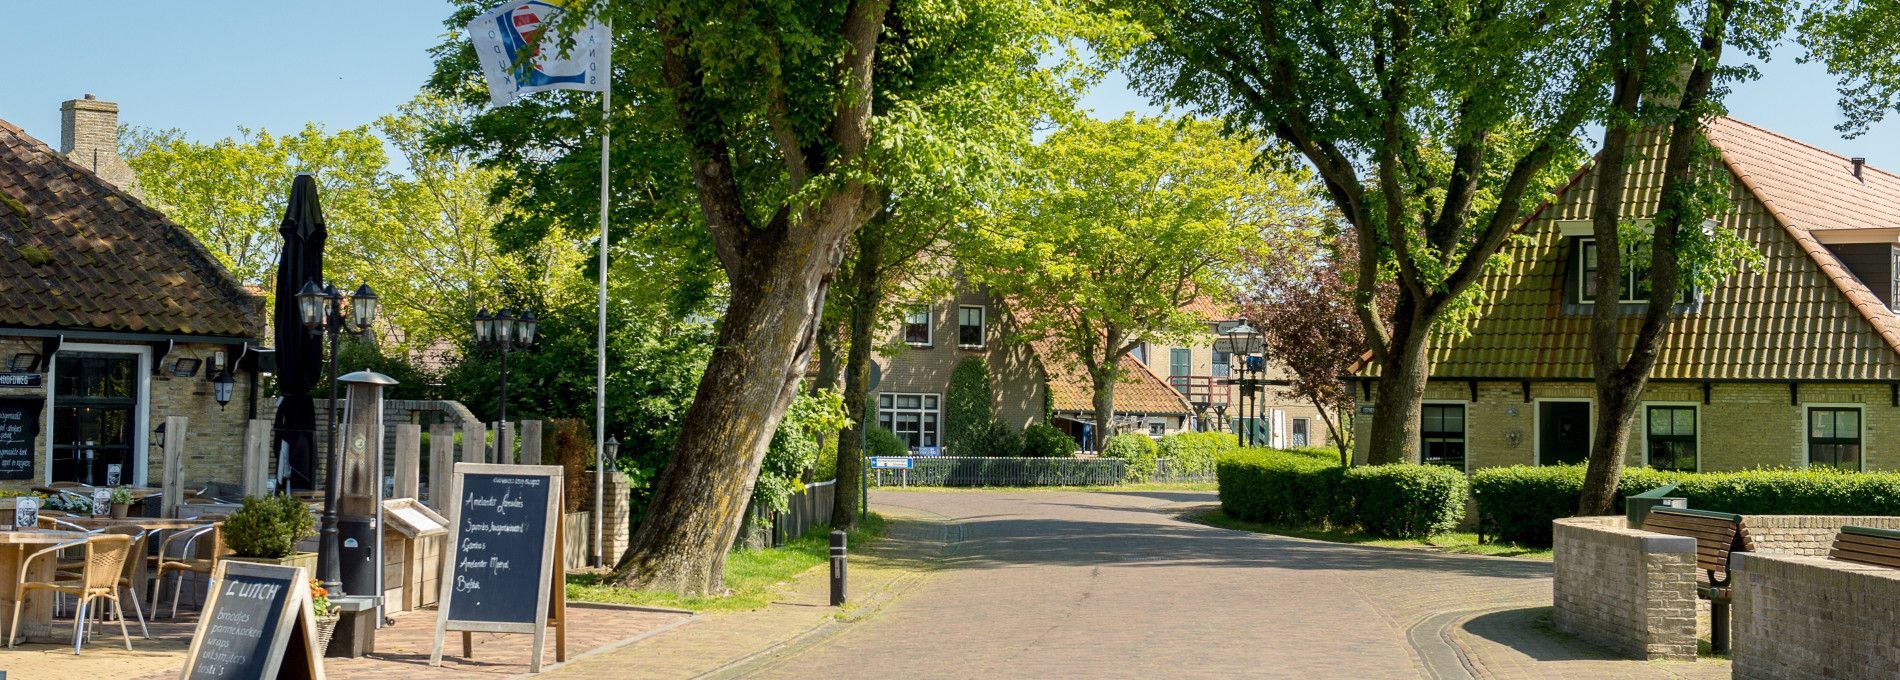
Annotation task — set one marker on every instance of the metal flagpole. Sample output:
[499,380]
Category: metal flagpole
[600,376]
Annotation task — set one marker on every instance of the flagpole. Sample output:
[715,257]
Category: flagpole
[600,377]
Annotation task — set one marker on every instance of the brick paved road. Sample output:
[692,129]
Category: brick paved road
[1071,584]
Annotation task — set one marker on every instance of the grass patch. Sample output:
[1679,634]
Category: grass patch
[754,577]
[1143,486]
[1456,542]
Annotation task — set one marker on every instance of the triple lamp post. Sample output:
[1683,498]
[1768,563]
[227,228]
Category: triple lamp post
[330,322]
[507,330]
[1246,344]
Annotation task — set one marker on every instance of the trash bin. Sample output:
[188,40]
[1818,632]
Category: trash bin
[1638,505]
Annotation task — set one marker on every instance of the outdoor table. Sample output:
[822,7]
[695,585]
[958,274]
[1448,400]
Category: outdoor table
[36,619]
[141,567]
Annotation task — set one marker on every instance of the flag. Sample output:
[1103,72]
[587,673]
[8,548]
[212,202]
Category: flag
[520,52]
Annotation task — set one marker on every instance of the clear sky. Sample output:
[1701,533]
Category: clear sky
[213,66]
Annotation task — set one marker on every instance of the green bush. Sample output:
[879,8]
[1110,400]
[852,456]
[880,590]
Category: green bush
[1043,440]
[1518,503]
[1139,450]
[1194,453]
[996,441]
[1294,489]
[794,447]
[970,425]
[268,526]
[881,442]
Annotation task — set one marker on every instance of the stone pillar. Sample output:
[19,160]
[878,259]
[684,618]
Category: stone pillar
[257,459]
[172,472]
[441,464]
[408,473]
[1629,590]
[530,442]
[617,508]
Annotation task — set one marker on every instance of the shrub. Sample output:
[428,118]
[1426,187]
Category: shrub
[794,447]
[1139,450]
[268,526]
[1043,440]
[970,420]
[1292,489]
[996,441]
[881,442]
[1518,503]
[826,468]
[1194,453]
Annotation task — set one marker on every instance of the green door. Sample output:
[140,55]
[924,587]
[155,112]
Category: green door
[1563,432]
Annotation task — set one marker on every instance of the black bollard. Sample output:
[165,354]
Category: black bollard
[837,568]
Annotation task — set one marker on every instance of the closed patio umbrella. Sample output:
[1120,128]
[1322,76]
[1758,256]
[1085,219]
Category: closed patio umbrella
[299,356]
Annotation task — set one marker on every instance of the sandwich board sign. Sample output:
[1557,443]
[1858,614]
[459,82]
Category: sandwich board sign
[504,531]
[257,624]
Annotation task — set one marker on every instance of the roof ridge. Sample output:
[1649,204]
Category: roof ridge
[1797,142]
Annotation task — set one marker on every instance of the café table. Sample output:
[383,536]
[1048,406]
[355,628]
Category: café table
[141,567]
[36,619]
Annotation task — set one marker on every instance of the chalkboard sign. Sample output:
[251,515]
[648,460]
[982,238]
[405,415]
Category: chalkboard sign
[504,529]
[257,624]
[19,424]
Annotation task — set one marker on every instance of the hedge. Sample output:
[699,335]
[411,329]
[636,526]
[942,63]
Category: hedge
[1518,503]
[1194,453]
[1042,440]
[1138,449]
[1293,489]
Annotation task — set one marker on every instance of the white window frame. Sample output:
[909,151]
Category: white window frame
[1537,425]
[982,326]
[935,414]
[1807,456]
[930,325]
[1694,405]
[141,414]
[1466,403]
[1294,425]
[1587,244]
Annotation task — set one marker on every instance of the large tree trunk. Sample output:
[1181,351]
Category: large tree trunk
[1103,380]
[866,294]
[1400,390]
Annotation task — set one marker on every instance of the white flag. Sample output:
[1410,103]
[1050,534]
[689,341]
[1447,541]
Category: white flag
[520,52]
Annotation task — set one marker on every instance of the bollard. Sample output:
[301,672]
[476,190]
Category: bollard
[837,568]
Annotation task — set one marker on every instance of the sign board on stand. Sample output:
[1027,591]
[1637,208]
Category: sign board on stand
[257,624]
[26,513]
[102,502]
[504,531]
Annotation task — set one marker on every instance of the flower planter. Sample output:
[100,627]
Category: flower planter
[307,560]
[119,510]
[326,629]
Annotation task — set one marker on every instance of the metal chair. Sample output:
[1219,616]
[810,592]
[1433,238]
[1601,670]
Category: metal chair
[135,552]
[105,566]
[186,561]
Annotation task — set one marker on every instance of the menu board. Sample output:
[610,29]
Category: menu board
[257,624]
[19,425]
[502,553]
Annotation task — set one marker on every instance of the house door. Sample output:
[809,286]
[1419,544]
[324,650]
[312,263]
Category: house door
[1563,432]
[95,418]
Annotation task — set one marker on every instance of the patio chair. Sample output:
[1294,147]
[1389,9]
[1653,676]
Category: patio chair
[136,552]
[105,566]
[187,561]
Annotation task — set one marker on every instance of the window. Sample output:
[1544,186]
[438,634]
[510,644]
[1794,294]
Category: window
[1834,436]
[1442,434]
[1301,427]
[970,327]
[1180,361]
[1157,428]
[917,326]
[1223,364]
[912,417]
[1635,280]
[1671,438]
[1141,352]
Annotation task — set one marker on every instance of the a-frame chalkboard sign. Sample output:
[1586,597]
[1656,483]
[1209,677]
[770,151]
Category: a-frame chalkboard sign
[504,531]
[258,625]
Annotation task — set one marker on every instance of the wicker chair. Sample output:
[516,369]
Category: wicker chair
[136,552]
[105,567]
[186,561]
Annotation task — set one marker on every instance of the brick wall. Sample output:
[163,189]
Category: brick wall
[89,136]
[1805,535]
[1813,617]
[1628,590]
[616,532]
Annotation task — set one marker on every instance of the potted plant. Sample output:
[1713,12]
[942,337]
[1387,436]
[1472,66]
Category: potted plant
[326,617]
[266,529]
[121,502]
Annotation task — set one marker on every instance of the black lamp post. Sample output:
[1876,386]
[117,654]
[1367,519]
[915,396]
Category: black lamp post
[506,330]
[330,322]
[1243,341]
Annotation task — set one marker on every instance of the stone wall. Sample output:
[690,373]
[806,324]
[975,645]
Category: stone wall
[1805,535]
[618,509]
[1628,590]
[1813,617]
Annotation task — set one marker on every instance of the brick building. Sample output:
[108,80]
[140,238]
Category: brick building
[112,318]
[1792,363]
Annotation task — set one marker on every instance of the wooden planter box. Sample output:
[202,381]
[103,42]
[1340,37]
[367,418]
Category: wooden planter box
[413,547]
[307,560]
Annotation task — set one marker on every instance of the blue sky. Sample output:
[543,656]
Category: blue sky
[213,66]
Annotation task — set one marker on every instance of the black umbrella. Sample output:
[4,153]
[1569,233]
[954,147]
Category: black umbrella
[299,355]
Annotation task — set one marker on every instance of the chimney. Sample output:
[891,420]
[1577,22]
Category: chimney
[89,136]
[1858,164]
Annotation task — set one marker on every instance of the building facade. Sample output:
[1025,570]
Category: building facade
[1792,363]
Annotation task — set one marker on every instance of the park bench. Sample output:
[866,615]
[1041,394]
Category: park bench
[1718,536]
[1867,545]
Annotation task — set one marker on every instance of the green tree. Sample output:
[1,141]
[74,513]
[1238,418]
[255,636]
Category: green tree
[1435,129]
[1116,225]
[967,405]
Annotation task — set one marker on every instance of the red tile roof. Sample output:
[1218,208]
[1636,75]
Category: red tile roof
[1140,391]
[78,253]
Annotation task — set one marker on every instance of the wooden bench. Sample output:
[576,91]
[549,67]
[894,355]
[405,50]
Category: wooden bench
[1867,545]
[1718,535]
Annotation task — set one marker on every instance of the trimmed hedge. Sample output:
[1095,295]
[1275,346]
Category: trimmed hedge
[1139,450]
[1518,503]
[1042,440]
[1294,489]
[1194,453]
[881,442]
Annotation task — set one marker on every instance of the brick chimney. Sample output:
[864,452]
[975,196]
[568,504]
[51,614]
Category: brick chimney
[89,136]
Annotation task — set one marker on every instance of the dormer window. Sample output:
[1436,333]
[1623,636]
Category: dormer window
[1635,278]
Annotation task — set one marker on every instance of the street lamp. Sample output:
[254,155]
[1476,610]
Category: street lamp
[321,322]
[1243,341]
[610,452]
[505,330]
